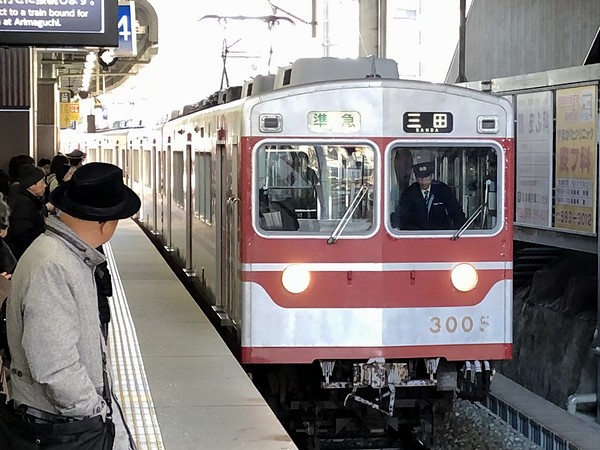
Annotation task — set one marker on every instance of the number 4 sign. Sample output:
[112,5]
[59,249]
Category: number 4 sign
[127,30]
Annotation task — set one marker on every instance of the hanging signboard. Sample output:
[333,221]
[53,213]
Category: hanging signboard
[65,109]
[534,159]
[576,159]
[74,23]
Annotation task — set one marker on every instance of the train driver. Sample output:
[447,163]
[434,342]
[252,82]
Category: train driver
[427,204]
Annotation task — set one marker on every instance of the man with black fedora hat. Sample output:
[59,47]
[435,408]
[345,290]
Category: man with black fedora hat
[58,366]
[28,209]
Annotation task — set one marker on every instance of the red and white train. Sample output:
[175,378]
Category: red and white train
[278,200]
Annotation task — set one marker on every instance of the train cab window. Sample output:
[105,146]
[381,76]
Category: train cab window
[310,189]
[440,189]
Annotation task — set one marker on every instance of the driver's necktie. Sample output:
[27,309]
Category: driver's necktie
[426,196]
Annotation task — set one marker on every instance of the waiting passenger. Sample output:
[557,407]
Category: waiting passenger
[427,204]
[15,164]
[44,164]
[63,173]
[8,262]
[28,210]
[4,183]
[57,161]
[59,376]
[7,265]
[76,158]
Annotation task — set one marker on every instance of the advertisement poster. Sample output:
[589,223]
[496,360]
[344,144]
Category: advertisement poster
[576,156]
[534,159]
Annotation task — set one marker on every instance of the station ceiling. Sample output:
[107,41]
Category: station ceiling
[67,64]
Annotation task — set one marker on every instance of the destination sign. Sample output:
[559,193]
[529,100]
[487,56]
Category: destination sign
[58,22]
[428,122]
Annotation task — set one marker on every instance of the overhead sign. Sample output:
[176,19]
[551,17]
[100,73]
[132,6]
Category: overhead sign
[534,159]
[58,22]
[576,159]
[127,31]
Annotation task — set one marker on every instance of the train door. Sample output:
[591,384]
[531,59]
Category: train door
[153,187]
[169,196]
[189,205]
[161,201]
[228,236]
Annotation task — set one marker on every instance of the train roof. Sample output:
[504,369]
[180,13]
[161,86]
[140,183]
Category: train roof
[308,71]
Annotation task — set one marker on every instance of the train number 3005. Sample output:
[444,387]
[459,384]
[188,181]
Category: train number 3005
[453,324]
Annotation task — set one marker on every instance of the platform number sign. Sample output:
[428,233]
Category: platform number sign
[127,32]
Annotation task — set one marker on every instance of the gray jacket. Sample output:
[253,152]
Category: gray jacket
[54,329]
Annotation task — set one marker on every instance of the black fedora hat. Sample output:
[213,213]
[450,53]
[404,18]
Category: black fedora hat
[96,192]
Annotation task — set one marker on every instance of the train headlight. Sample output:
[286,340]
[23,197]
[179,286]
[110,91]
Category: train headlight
[464,277]
[295,278]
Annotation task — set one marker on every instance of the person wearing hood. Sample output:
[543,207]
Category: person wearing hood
[28,209]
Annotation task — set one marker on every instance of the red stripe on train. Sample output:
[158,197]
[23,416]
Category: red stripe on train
[354,289]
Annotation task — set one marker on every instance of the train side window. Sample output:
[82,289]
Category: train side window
[178,197]
[136,165]
[309,189]
[161,171]
[457,183]
[203,183]
[147,168]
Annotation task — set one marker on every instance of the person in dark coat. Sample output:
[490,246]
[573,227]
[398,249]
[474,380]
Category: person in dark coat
[4,183]
[44,164]
[427,204]
[14,166]
[28,210]
[7,260]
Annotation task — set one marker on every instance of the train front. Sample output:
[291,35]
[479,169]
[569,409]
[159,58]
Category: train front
[377,243]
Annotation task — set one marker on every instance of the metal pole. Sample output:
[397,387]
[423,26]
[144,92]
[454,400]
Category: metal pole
[314,18]
[596,341]
[97,76]
[382,25]
[461,42]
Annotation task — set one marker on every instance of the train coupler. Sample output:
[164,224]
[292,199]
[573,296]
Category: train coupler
[376,373]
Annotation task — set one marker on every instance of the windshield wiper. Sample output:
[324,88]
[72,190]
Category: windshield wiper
[483,209]
[339,229]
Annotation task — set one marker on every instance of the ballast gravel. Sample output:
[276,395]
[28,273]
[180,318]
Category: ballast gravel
[471,426]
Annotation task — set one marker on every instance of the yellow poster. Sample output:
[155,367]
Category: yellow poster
[65,109]
[65,115]
[576,156]
[74,111]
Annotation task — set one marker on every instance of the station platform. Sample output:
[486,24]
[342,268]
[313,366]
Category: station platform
[541,421]
[179,385]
